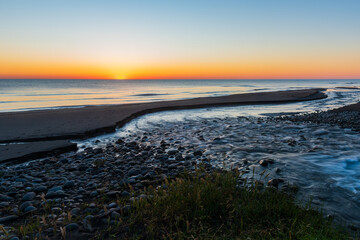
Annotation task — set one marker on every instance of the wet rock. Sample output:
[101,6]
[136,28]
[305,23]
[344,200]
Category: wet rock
[4,204]
[274,182]
[24,205]
[198,153]
[69,184]
[8,219]
[94,193]
[75,212]
[40,189]
[263,163]
[72,227]
[320,132]
[51,195]
[5,198]
[112,205]
[30,209]
[172,151]
[125,194]
[134,172]
[55,189]
[29,196]
[89,223]
[113,193]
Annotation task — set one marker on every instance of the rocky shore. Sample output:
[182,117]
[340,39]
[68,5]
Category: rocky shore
[81,192]
[346,117]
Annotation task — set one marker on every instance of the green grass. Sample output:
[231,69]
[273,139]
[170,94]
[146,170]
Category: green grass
[205,206]
[213,206]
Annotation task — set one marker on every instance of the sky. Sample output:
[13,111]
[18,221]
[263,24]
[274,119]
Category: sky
[173,39]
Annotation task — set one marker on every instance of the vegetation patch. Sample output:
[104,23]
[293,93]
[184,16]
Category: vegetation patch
[215,206]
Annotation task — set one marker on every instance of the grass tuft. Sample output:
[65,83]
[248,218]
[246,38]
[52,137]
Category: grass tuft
[213,206]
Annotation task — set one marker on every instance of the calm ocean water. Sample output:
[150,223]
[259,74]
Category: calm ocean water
[31,94]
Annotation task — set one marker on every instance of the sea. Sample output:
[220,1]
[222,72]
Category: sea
[322,160]
[37,94]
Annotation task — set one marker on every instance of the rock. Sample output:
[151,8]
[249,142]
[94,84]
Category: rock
[198,153]
[277,170]
[5,198]
[112,205]
[55,189]
[113,193]
[320,132]
[40,188]
[24,205]
[8,219]
[51,195]
[263,163]
[29,196]
[134,172]
[88,223]
[274,183]
[72,227]
[29,209]
[75,212]
[115,215]
[125,194]
[172,151]
[56,210]
[4,204]
[94,193]
[173,166]
[69,184]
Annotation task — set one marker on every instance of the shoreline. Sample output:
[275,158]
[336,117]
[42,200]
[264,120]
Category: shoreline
[87,192]
[40,127]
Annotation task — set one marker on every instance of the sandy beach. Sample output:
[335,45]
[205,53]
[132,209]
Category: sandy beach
[42,127]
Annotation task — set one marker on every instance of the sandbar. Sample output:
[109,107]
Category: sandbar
[79,123]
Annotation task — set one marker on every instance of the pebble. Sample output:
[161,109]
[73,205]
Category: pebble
[69,184]
[5,198]
[24,205]
[40,188]
[263,163]
[29,209]
[29,196]
[72,227]
[8,219]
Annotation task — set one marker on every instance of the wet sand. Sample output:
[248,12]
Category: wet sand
[41,127]
[350,108]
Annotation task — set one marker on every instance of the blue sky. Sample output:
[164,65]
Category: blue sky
[128,36]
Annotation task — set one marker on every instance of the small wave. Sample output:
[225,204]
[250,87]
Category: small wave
[54,94]
[149,94]
[215,92]
[353,87]
[103,98]
[261,89]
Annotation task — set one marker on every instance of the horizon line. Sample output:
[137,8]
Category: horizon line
[190,79]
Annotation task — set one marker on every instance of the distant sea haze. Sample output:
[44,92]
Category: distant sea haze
[33,94]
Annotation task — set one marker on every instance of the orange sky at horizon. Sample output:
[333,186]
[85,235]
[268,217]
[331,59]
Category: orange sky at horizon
[256,69]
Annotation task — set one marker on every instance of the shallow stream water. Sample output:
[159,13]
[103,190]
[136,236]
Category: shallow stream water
[323,160]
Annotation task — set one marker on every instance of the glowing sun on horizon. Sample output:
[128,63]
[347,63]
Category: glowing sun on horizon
[120,77]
